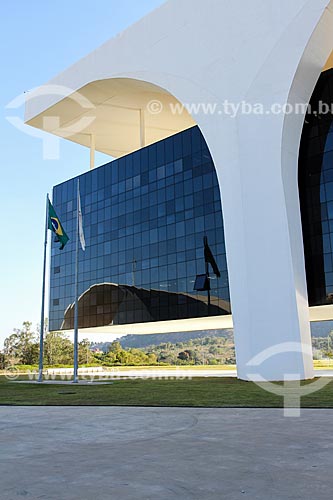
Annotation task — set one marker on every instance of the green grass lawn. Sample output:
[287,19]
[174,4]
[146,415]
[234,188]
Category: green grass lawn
[198,392]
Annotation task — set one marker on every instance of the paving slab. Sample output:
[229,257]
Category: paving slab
[121,453]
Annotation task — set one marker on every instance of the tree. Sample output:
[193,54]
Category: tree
[152,358]
[22,345]
[109,358]
[85,355]
[30,354]
[123,357]
[58,349]
[186,355]
[3,361]
[11,346]
[115,347]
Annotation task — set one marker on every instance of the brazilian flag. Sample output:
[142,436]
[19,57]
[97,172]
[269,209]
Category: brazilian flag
[55,226]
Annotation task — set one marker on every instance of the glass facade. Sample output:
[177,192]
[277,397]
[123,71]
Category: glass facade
[145,216]
[316,192]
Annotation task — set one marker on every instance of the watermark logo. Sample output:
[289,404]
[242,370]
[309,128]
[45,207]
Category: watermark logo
[292,389]
[51,143]
[12,372]
[232,109]
[155,107]
[112,374]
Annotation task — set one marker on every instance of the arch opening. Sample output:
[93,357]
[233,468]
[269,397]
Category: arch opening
[159,199]
[316,191]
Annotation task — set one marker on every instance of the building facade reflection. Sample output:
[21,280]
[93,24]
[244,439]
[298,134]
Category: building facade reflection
[316,192]
[145,216]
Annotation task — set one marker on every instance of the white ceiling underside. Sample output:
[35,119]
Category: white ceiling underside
[329,64]
[114,111]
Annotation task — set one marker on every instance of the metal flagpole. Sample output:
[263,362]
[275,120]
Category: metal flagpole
[208,289]
[41,334]
[207,275]
[76,310]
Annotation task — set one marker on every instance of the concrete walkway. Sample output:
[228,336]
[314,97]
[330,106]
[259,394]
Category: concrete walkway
[97,453]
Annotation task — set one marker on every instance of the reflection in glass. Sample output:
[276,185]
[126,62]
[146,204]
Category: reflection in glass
[151,208]
[316,193]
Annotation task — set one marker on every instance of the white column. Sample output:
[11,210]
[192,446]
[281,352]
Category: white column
[92,151]
[142,128]
[256,158]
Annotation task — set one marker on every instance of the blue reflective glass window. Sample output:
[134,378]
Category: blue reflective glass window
[329,279]
[168,144]
[186,139]
[328,176]
[328,161]
[180,229]
[179,206]
[169,169]
[144,215]
[329,143]
[180,245]
[160,153]
[329,213]
[188,187]
[179,190]
[170,193]
[178,166]
[328,263]
[160,174]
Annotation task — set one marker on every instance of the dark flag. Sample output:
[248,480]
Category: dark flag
[209,258]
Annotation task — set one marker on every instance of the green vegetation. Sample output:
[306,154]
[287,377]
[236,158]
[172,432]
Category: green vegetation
[21,349]
[198,392]
[211,352]
[323,347]
[117,356]
[200,351]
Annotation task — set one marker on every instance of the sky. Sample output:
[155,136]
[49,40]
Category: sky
[38,39]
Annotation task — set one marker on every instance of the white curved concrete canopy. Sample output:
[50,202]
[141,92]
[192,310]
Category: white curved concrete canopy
[116,115]
[258,51]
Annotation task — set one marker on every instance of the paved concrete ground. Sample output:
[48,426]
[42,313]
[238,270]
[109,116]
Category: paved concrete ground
[102,453]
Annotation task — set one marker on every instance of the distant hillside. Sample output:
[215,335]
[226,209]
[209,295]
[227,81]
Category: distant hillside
[318,329]
[142,341]
[172,338]
[321,328]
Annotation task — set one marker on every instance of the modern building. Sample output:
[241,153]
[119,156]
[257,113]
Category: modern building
[145,216]
[203,105]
